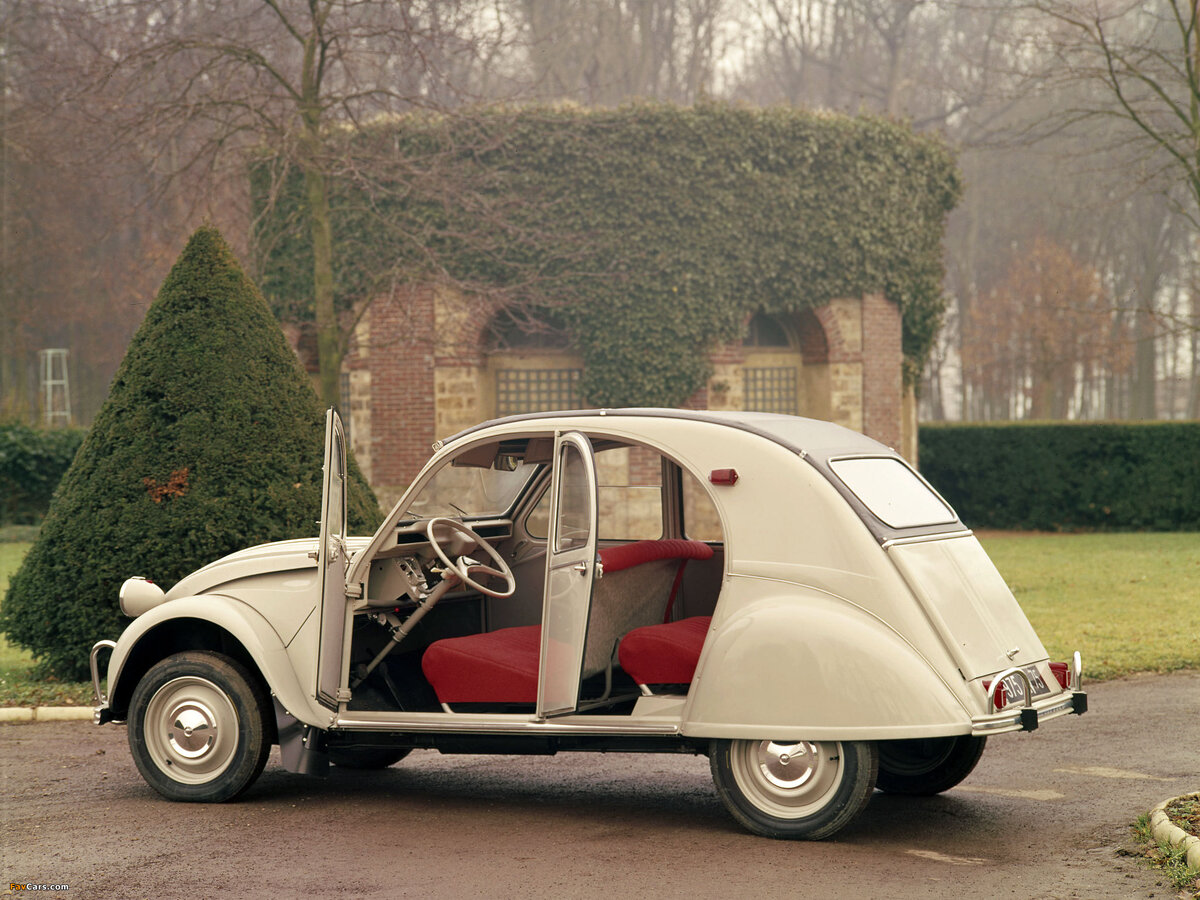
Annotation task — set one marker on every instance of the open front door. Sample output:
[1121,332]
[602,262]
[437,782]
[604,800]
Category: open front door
[331,563]
[570,571]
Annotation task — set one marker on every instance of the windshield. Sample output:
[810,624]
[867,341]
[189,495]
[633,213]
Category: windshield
[472,491]
[893,492]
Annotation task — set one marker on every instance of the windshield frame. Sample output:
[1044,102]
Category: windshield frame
[521,476]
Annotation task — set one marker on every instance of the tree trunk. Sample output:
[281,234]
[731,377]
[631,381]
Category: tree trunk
[1194,391]
[316,188]
[1144,387]
[329,339]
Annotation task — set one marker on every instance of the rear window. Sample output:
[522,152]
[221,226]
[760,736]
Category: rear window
[893,492]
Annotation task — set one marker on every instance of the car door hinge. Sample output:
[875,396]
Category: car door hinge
[354,591]
[343,695]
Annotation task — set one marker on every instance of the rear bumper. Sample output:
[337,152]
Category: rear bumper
[1027,718]
[1072,700]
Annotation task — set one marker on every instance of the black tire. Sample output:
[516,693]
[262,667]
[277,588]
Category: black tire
[198,727]
[366,757]
[926,766]
[797,790]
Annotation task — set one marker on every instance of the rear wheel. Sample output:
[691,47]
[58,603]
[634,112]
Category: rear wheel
[807,790]
[198,727]
[925,766]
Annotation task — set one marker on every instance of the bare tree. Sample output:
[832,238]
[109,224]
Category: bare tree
[1142,61]
[1044,339]
[600,52]
[202,83]
[77,267]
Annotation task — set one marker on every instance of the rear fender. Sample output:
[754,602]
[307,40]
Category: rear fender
[809,666]
[207,622]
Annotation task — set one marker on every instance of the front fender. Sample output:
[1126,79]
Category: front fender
[137,648]
[805,665]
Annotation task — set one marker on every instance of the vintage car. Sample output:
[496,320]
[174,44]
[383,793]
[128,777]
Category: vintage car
[784,595]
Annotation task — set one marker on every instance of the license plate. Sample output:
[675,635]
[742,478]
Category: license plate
[1015,687]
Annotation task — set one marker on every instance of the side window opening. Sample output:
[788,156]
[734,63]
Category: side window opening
[634,500]
[631,494]
[701,522]
[631,497]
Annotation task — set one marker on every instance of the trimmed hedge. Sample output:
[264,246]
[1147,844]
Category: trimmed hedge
[210,441]
[32,462]
[1068,476]
[654,230]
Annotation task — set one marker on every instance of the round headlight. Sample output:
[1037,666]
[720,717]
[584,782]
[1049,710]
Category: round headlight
[138,595]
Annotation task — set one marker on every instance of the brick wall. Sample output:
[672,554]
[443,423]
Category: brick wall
[882,374]
[400,356]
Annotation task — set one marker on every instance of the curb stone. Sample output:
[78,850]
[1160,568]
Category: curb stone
[44,713]
[1164,830]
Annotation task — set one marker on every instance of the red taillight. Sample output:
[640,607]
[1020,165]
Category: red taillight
[1062,674]
[723,476]
[1001,694]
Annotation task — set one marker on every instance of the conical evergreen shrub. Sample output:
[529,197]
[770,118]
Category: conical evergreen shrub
[210,440]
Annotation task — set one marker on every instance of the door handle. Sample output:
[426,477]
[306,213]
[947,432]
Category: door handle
[580,567]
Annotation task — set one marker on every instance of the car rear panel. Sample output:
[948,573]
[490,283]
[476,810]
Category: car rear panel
[969,604]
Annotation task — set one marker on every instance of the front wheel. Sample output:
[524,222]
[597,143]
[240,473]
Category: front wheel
[801,790]
[198,727]
[926,766]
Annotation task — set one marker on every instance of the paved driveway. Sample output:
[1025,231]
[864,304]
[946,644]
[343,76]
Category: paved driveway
[1045,815]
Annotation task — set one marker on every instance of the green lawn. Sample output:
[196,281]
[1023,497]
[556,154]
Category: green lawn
[1127,602]
[18,684]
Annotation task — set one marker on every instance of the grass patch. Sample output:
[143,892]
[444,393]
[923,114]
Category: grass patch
[21,684]
[1126,602]
[1172,860]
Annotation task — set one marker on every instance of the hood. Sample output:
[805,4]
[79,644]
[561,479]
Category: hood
[280,556]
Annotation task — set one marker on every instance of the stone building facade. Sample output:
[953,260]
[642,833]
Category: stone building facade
[426,364]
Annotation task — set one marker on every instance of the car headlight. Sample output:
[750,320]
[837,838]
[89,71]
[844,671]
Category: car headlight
[139,595]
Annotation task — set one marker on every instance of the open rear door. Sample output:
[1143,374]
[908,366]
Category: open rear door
[331,563]
[570,572]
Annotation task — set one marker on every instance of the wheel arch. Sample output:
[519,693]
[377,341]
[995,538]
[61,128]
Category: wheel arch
[805,665]
[206,623]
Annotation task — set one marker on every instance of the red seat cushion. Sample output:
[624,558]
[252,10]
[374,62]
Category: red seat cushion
[625,556]
[664,654]
[495,667]
[502,666]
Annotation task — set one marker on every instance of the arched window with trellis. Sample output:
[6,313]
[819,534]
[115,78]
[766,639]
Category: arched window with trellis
[532,365]
[772,366]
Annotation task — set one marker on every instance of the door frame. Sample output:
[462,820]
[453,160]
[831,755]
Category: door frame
[331,566]
[571,563]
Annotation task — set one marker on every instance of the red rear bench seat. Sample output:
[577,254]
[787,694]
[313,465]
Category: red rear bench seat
[664,654]
[502,666]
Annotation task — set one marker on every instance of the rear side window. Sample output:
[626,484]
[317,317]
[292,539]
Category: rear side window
[893,492]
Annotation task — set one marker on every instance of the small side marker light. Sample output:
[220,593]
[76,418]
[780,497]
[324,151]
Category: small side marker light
[723,476]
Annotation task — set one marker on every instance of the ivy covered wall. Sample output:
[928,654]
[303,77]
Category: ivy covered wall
[654,230]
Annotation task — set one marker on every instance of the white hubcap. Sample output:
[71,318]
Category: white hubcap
[191,729]
[788,781]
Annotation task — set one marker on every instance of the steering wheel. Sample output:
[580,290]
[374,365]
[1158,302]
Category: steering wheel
[465,566]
